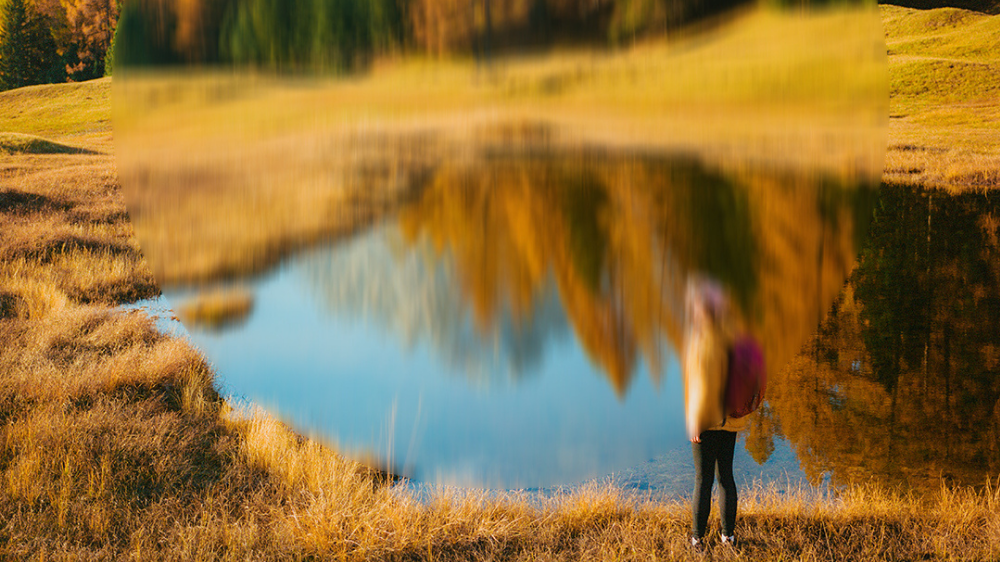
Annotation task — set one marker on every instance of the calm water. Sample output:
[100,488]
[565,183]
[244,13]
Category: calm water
[516,325]
[902,382]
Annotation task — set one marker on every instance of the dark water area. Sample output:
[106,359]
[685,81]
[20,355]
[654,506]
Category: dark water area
[517,324]
[902,382]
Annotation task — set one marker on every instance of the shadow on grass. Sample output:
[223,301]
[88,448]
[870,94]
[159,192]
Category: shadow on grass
[21,203]
[17,143]
[984,6]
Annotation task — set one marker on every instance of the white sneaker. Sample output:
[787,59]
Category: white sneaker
[697,545]
[729,541]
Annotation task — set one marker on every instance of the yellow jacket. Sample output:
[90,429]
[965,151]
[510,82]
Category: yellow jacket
[732,424]
[706,367]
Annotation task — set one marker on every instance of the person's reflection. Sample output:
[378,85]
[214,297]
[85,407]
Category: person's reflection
[708,337]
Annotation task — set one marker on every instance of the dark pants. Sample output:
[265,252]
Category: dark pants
[715,450]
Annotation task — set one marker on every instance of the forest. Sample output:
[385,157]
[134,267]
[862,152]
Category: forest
[901,380]
[48,41]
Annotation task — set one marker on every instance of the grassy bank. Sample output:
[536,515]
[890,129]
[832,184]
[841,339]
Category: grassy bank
[116,445]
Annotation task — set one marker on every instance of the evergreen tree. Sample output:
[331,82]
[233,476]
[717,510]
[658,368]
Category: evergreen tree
[144,36]
[27,50]
[13,65]
[109,56]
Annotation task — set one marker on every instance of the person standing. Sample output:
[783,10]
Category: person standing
[713,436]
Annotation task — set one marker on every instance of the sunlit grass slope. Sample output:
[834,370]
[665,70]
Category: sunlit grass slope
[944,68]
[58,110]
[64,237]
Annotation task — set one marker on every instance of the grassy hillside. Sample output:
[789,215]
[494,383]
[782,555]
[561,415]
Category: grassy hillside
[59,111]
[982,6]
[944,69]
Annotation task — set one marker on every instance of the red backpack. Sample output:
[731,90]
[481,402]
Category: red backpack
[747,378]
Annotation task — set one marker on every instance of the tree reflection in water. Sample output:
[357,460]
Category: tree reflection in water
[901,383]
[408,294]
[618,236]
[501,255]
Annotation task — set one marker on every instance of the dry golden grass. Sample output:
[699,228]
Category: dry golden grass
[116,445]
[66,234]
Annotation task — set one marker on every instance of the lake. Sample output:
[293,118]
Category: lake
[516,324]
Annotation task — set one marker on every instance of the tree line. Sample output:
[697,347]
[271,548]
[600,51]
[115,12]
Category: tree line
[346,34]
[43,41]
[57,40]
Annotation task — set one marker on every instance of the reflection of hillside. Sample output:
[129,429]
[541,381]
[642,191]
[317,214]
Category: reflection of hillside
[407,295]
[620,233]
[903,381]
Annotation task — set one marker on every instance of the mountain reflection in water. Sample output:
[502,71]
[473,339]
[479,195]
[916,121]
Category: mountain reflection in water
[412,296]
[476,326]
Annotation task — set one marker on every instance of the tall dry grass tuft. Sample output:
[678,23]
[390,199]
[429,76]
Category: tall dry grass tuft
[115,444]
[64,226]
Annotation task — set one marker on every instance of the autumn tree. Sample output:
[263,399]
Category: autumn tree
[196,36]
[82,30]
[92,25]
[439,26]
